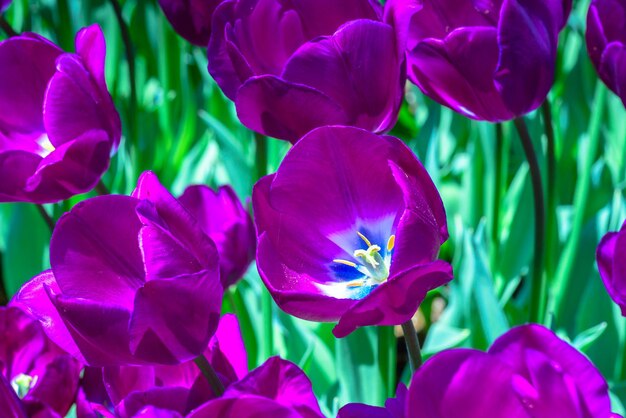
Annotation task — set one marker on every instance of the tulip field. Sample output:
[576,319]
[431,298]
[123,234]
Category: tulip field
[312,208]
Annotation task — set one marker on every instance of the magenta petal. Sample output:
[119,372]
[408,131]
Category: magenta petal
[15,169]
[281,381]
[33,298]
[120,381]
[245,406]
[174,319]
[28,63]
[95,259]
[164,402]
[227,353]
[11,404]
[396,300]
[612,68]
[22,341]
[612,277]
[452,384]
[57,387]
[359,68]
[525,70]
[191,19]
[355,410]
[277,108]
[73,168]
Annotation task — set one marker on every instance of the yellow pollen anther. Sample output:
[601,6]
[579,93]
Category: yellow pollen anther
[344,262]
[369,244]
[355,283]
[391,242]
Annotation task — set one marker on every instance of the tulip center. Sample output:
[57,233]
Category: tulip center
[45,145]
[370,262]
[22,383]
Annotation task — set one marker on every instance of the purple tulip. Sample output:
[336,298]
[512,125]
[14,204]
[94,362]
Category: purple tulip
[58,125]
[224,219]
[349,229]
[606,43]
[324,62]
[180,388]
[138,287]
[394,408]
[489,60]
[191,19]
[45,377]
[277,388]
[612,266]
[527,372]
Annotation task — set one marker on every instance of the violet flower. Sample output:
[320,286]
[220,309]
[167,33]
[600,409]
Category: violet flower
[191,19]
[277,388]
[58,125]
[138,287]
[323,62]
[224,219]
[527,372]
[394,407]
[606,43]
[180,388]
[488,60]
[612,265]
[45,377]
[349,229]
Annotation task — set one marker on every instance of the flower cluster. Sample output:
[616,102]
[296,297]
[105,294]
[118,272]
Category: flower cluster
[129,320]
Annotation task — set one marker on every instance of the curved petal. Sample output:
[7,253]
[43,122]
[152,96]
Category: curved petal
[73,168]
[527,39]
[28,63]
[15,169]
[22,343]
[8,399]
[612,68]
[355,410]
[223,218]
[226,352]
[57,387]
[174,319]
[605,256]
[245,406]
[281,381]
[452,384]
[191,19]
[513,347]
[458,72]
[34,298]
[396,300]
[278,108]
[96,257]
[295,292]
[359,68]
[154,403]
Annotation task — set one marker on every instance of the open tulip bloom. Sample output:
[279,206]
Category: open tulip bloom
[138,287]
[324,62]
[606,43]
[489,60]
[58,125]
[349,229]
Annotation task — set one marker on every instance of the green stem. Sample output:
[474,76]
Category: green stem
[130,58]
[267,306]
[497,196]
[46,217]
[387,354]
[537,284]
[4,299]
[412,345]
[211,376]
[581,195]
[551,221]
[7,28]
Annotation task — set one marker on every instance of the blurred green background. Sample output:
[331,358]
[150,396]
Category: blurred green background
[184,129]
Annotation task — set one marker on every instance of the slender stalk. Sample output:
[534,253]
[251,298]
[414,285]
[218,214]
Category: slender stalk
[267,306]
[46,217]
[211,376]
[4,299]
[7,28]
[551,201]
[412,345]
[130,58]
[101,189]
[581,196]
[537,285]
[497,195]
[387,358]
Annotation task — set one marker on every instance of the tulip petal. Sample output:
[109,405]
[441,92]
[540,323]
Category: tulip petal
[245,406]
[180,315]
[191,19]
[10,402]
[57,387]
[277,108]
[15,169]
[357,67]
[28,63]
[396,300]
[612,68]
